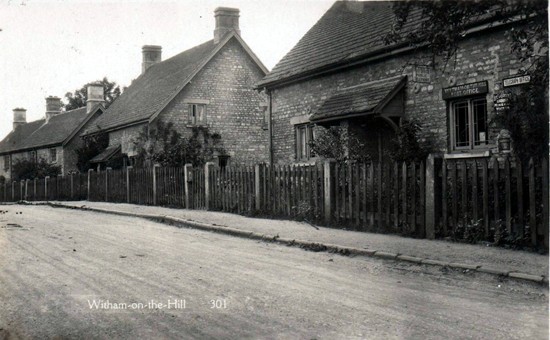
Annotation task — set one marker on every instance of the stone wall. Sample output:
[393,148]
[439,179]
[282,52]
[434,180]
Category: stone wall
[233,108]
[484,56]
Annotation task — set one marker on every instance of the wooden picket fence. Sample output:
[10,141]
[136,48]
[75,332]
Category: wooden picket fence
[495,195]
[435,198]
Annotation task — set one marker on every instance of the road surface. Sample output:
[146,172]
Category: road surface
[77,274]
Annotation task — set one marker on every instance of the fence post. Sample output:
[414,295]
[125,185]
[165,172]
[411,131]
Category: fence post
[26,189]
[72,189]
[107,183]
[257,186]
[187,179]
[89,182]
[46,187]
[329,189]
[128,168]
[433,195]
[155,183]
[34,193]
[207,184]
[21,189]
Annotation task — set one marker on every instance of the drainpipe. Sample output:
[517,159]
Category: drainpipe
[270,126]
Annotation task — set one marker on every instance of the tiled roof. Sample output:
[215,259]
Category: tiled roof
[106,154]
[57,129]
[15,139]
[347,30]
[363,98]
[40,133]
[150,91]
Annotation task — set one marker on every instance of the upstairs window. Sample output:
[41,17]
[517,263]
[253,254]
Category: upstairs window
[304,136]
[53,155]
[197,114]
[469,124]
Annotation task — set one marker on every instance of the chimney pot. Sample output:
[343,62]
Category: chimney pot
[227,20]
[53,106]
[19,117]
[96,95]
[151,54]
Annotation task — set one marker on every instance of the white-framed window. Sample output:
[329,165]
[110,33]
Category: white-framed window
[305,134]
[53,155]
[197,114]
[469,128]
[6,162]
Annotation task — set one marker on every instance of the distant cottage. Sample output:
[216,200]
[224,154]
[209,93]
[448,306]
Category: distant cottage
[209,85]
[53,138]
[341,73]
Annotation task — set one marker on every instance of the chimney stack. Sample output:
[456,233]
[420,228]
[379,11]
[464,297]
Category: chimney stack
[53,107]
[152,54]
[227,20]
[95,96]
[19,117]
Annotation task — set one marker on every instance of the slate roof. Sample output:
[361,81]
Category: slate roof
[38,134]
[362,99]
[150,91]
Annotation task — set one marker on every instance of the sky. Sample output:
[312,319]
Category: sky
[49,48]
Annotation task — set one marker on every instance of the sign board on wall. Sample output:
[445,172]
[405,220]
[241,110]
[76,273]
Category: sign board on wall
[422,74]
[516,81]
[479,87]
[501,102]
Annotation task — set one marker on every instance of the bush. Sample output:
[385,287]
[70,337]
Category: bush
[27,169]
[405,146]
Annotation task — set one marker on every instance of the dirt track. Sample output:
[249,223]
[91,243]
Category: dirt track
[55,262]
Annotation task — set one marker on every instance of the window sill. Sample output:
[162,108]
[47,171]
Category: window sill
[472,154]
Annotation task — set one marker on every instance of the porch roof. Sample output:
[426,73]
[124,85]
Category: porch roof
[360,100]
[106,154]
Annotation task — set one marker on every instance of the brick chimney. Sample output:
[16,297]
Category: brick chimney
[53,107]
[95,96]
[152,54]
[19,117]
[227,20]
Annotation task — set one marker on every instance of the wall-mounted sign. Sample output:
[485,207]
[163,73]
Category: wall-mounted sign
[501,102]
[422,74]
[516,81]
[480,87]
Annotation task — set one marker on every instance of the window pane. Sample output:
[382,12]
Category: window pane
[480,121]
[462,135]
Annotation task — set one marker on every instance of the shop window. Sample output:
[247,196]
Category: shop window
[197,114]
[304,136]
[469,124]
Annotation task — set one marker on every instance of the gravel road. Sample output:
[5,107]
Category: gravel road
[77,274]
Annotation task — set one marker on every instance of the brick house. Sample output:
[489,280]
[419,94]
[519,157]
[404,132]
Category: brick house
[342,73]
[53,138]
[210,85]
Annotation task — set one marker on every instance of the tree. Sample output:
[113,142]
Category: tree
[92,146]
[163,145]
[78,98]
[444,25]
[29,169]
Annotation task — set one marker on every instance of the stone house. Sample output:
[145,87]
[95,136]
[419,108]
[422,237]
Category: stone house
[53,138]
[210,85]
[341,73]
